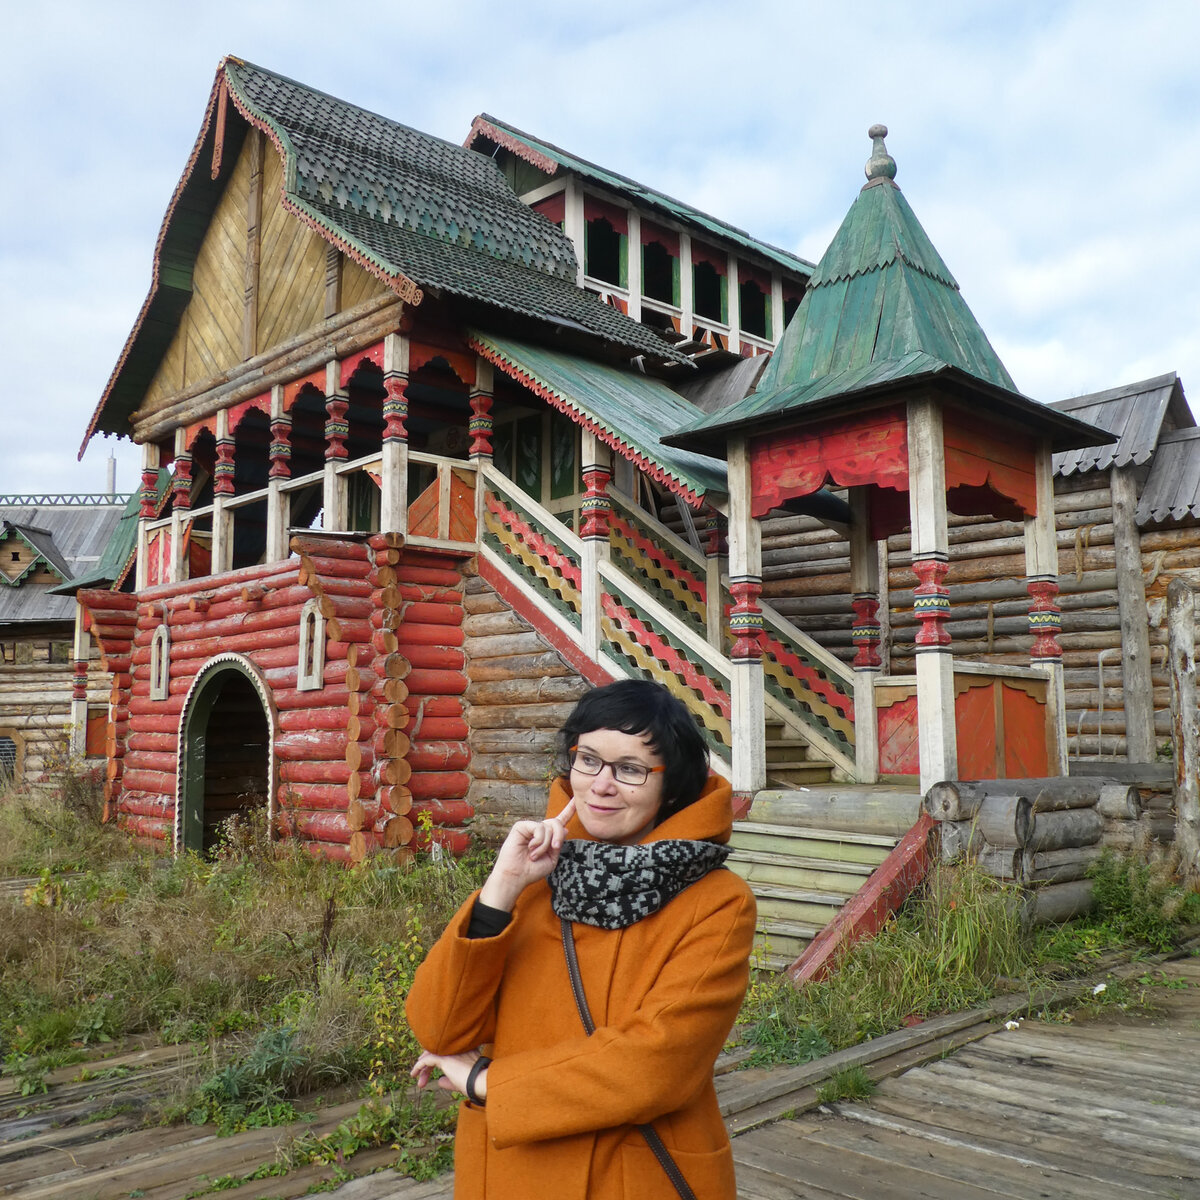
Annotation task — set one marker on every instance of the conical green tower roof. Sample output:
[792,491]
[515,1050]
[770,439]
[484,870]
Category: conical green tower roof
[882,311]
[880,293]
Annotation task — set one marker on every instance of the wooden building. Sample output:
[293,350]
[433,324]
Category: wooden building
[437,436]
[53,696]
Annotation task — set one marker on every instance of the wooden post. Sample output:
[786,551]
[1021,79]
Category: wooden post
[1045,618]
[575,224]
[864,585]
[748,701]
[279,502]
[337,429]
[1135,629]
[687,289]
[79,707]
[1181,642]
[633,272]
[393,507]
[931,600]
[594,512]
[181,502]
[253,246]
[733,305]
[716,562]
[222,520]
[777,326]
[150,457]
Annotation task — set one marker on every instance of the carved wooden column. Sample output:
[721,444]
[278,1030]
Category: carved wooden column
[222,520]
[181,503]
[149,493]
[393,509]
[866,633]
[594,512]
[716,555]
[279,503]
[337,430]
[79,682]
[1045,617]
[931,598]
[746,625]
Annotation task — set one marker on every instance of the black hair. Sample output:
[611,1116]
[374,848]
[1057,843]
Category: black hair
[640,706]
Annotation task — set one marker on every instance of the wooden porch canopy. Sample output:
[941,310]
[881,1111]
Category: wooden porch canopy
[885,384]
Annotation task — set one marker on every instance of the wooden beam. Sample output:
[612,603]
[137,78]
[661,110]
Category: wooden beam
[1137,687]
[253,247]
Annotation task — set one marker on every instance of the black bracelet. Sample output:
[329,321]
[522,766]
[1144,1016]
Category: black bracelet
[477,1067]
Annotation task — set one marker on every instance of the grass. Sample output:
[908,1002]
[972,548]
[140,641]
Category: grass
[957,943]
[294,967]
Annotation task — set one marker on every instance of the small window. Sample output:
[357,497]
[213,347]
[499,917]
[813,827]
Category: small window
[60,652]
[708,295]
[603,252]
[311,672]
[160,663]
[8,759]
[753,309]
[660,274]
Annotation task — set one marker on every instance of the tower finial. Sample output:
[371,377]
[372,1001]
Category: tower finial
[881,165]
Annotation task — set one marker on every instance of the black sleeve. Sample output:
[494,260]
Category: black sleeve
[487,921]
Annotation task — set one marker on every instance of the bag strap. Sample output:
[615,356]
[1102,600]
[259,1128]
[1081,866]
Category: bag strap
[668,1164]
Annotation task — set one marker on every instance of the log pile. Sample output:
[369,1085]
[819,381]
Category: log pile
[520,691]
[1039,834]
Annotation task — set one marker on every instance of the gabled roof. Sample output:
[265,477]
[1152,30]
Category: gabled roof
[549,158]
[1137,413]
[419,213]
[70,538]
[41,542]
[628,411]
[881,312]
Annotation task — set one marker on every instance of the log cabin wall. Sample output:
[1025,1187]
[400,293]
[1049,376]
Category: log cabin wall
[35,714]
[360,753]
[520,692]
[806,576]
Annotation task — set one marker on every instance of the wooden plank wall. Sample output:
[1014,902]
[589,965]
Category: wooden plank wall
[287,292]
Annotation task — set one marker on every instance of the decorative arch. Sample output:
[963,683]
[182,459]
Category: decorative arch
[233,678]
[311,674]
[160,661]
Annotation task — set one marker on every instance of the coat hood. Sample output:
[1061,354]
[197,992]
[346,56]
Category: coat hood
[708,819]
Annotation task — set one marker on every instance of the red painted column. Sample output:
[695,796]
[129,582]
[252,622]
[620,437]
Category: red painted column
[395,407]
[337,428]
[594,509]
[181,484]
[746,619]
[1045,620]
[866,632]
[149,497]
[481,424]
[223,471]
[281,447]
[931,603]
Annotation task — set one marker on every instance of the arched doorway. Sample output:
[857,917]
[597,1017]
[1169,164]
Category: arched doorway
[225,760]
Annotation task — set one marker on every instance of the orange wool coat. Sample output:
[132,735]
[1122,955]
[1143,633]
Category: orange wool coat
[562,1108]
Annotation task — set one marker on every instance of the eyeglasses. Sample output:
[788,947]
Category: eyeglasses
[630,773]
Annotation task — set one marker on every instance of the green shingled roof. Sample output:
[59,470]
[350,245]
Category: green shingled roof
[489,127]
[117,556]
[417,211]
[882,311]
[629,411]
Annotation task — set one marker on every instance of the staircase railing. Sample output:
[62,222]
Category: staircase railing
[652,605]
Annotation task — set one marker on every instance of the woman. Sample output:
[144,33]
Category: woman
[628,861]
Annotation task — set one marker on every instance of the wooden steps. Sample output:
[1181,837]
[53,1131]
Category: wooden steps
[790,762]
[803,866]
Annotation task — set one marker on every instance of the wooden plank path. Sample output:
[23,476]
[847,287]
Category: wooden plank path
[1103,1108]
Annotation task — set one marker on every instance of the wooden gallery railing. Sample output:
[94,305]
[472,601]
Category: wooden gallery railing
[645,608]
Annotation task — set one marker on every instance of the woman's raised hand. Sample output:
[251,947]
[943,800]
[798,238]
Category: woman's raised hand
[529,853]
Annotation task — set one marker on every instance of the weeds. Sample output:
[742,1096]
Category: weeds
[851,1084]
[1142,900]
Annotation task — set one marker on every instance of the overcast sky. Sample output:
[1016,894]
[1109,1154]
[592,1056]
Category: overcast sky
[1049,149]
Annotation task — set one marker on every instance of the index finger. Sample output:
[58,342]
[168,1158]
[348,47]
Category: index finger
[568,811]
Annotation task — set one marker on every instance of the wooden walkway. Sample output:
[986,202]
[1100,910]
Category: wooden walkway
[1096,1109]
[965,1110]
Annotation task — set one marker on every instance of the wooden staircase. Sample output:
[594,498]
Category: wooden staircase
[791,762]
[806,851]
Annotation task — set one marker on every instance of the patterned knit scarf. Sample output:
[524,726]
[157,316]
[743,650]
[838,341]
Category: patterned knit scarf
[598,883]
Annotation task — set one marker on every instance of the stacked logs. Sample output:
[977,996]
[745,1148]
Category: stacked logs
[111,619]
[1040,834]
